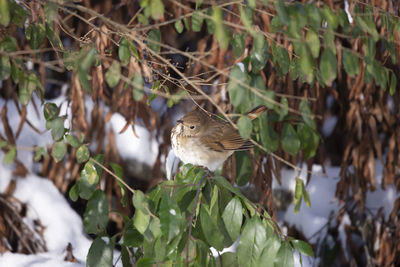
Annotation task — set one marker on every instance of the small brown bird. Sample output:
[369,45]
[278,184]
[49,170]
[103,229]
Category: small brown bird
[202,140]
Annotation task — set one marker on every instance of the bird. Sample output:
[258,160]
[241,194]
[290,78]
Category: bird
[202,140]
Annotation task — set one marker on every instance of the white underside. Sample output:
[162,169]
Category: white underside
[201,155]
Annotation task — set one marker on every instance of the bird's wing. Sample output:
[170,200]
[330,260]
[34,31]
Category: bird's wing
[224,137]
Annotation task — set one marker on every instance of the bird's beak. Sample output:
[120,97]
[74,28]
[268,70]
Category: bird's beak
[179,121]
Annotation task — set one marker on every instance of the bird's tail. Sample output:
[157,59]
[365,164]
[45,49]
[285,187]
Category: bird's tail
[256,112]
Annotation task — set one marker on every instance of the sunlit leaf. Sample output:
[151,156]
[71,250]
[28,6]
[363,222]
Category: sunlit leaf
[4,13]
[35,35]
[197,21]
[156,9]
[113,74]
[138,87]
[312,40]
[232,217]
[9,157]
[178,26]
[82,154]
[221,33]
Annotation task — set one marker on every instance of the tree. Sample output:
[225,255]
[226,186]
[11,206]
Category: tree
[229,57]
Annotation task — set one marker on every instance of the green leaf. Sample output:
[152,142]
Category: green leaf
[306,113]
[328,67]
[8,44]
[9,157]
[393,84]
[331,18]
[5,68]
[26,87]
[100,253]
[82,154]
[3,143]
[237,91]
[117,169]
[124,52]
[59,150]
[252,242]
[259,55]
[179,26]
[51,11]
[156,9]
[154,39]
[35,35]
[57,128]
[298,194]
[141,221]
[290,140]
[284,257]
[269,138]
[95,218]
[222,182]
[138,87]
[269,252]
[197,21]
[41,151]
[72,140]
[210,229]
[281,59]
[305,63]
[88,180]
[244,168]
[132,237]
[53,36]
[284,108]
[229,259]
[221,33]
[245,127]
[313,15]
[282,12]
[170,217]
[50,111]
[312,40]
[237,43]
[84,63]
[113,74]
[4,13]
[140,202]
[309,139]
[73,193]
[18,14]
[233,217]
[303,247]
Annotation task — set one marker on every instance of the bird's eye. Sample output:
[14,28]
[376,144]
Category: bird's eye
[192,127]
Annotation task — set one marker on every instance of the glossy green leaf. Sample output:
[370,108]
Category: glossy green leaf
[244,168]
[312,40]
[284,257]
[59,150]
[303,247]
[117,169]
[57,127]
[132,237]
[290,140]
[39,153]
[210,229]
[9,157]
[156,9]
[88,180]
[35,35]
[328,67]
[124,53]
[50,111]
[245,127]
[141,221]
[269,138]
[139,200]
[5,68]
[237,43]
[100,253]
[138,87]
[51,11]
[298,194]
[221,33]
[309,140]
[178,26]
[281,59]
[170,217]
[154,39]
[113,74]
[233,217]
[306,197]
[259,55]
[4,13]
[73,193]
[82,154]
[72,140]
[236,90]
[252,242]
[197,21]
[269,252]
[95,218]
